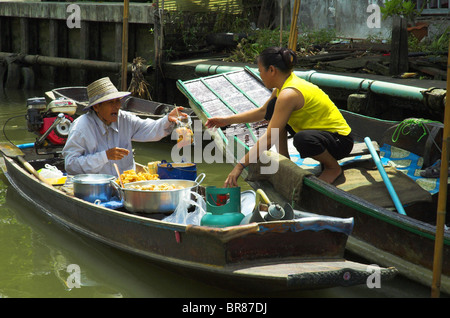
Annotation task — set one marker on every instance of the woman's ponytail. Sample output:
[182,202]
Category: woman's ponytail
[282,58]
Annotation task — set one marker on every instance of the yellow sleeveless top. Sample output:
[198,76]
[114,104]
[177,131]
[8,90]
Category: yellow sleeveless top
[318,112]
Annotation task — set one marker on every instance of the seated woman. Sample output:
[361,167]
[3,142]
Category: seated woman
[320,130]
[103,136]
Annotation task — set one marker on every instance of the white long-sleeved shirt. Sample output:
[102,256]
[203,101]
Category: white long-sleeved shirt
[89,138]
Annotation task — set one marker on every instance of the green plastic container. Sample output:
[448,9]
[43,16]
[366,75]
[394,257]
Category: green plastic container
[223,207]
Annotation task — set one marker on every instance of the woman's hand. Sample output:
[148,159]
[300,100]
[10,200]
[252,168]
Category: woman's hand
[116,153]
[217,122]
[175,114]
[231,180]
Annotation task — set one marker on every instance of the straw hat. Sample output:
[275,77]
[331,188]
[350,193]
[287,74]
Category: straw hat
[103,90]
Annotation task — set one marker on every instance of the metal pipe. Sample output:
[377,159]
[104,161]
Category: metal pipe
[57,121]
[71,63]
[335,81]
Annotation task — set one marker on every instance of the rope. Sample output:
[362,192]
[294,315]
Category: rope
[407,123]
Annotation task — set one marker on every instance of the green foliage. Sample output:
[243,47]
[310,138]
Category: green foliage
[438,44]
[187,31]
[406,9]
[248,49]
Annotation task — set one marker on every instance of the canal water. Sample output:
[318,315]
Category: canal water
[35,252]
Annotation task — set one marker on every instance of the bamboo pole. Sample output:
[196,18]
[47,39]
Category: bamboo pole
[442,200]
[125,45]
[281,21]
[293,35]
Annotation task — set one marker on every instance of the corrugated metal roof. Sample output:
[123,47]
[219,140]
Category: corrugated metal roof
[228,6]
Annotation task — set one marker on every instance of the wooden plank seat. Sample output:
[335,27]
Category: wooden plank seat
[360,148]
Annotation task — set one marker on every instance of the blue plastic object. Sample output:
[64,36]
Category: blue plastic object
[26,146]
[185,171]
[385,177]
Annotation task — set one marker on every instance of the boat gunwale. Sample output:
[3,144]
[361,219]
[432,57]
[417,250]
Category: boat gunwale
[403,221]
[215,233]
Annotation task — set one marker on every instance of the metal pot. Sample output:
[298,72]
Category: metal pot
[147,201]
[92,187]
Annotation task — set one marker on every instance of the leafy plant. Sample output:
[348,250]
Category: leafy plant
[248,49]
[406,9]
[437,44]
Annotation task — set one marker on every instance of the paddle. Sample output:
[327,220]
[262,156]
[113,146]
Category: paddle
[118,173]
[14,152]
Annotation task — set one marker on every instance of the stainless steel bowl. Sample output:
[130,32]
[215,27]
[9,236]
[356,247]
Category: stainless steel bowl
[148,201]
[92,187]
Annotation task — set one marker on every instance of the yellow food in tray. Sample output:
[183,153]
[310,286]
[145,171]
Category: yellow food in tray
[156,187]
[131,176]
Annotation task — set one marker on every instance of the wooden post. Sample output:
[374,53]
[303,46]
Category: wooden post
[118,34]
[265,13]
[124,85]
[158,40]
[84,49]
[24,36]
[399,47]
[442,199]
[53,49]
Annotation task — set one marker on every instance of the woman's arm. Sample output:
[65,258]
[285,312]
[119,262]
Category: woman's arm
[287,102]
[249,116]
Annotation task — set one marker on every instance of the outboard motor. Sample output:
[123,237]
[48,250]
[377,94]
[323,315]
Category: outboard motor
[50,122]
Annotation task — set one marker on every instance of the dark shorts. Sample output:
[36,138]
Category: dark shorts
[310,143]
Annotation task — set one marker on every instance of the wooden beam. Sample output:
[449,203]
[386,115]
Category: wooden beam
[124,85]
[399,47]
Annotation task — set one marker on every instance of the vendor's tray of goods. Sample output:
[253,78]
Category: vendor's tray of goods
[145,192]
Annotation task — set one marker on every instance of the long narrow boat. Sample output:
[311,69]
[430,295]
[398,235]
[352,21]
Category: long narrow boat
[141,107]
[305,253]
[382,234]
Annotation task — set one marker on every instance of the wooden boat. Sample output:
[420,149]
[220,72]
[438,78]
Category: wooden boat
[141,107]
[283,255]
[381,234]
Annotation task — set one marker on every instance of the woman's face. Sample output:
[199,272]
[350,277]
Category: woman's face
[266,75]
[108,111]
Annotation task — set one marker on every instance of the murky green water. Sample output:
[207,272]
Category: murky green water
[35,251]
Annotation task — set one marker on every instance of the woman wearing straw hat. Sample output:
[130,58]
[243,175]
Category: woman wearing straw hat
[103,136]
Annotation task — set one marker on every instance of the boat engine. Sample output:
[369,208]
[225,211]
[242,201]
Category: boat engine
[50,122]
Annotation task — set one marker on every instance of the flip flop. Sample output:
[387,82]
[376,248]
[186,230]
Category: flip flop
[433,171]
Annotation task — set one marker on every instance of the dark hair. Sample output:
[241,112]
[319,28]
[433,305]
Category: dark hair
[282,58]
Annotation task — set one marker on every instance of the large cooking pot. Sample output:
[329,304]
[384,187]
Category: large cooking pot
[148,201]
[92,187]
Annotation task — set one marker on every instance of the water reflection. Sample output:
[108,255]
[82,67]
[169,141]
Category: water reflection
[44,250]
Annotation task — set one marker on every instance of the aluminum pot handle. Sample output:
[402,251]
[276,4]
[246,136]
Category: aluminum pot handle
[118,189]
[201,176]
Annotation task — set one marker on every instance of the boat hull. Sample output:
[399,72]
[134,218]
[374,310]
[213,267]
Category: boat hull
[270,255]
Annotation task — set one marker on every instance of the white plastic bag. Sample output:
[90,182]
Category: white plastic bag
[181,214]
[185,135]
[50,172]
[195,217]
